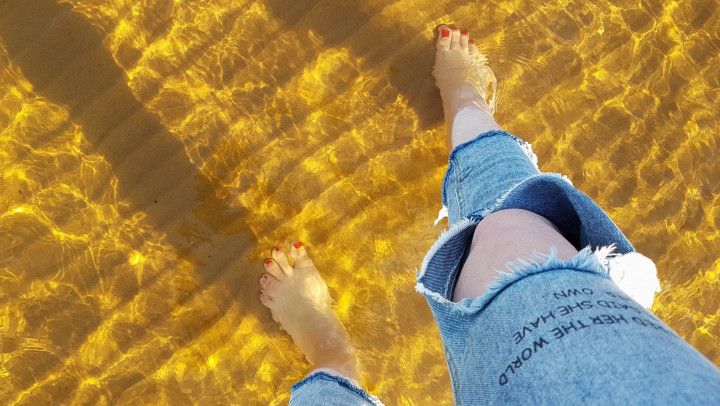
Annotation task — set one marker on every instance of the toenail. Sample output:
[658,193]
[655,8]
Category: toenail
[297,244]
[464,32]
[268,261]
[472,41]
[445,32]
[276,248]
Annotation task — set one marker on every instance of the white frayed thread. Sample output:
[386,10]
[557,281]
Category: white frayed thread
[603,253]
[634,273]
[420,288]
[441,215]
[527,149]
[584,261]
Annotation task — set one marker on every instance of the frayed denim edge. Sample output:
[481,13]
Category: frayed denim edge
[524,145]
[344,382]
[454,229]
[585,261]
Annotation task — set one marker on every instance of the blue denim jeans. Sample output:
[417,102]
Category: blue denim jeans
[549,331]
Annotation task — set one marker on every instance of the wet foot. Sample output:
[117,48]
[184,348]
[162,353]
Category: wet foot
[461,73]
[300,302]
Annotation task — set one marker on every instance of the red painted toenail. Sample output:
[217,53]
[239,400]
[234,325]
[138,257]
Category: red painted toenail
[464,32]
[297,244]
[276,248]
[268,261]
[445,32]
[472,41]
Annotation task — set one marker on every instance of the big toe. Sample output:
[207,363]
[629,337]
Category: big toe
[443,40]
[300,256]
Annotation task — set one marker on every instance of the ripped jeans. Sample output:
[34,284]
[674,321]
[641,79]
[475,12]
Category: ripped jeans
[548,332]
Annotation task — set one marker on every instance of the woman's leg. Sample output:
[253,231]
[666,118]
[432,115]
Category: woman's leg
[505,235]
[502,237]
[555,332]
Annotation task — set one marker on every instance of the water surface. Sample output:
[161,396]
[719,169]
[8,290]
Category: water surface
[152,152]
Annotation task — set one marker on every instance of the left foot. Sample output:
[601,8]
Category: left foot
[300,302]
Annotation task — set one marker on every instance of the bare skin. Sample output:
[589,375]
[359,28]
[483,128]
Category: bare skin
[300,302]
[502,237]
[467,87]
[296,294]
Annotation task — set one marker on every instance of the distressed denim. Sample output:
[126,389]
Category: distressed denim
[548,331]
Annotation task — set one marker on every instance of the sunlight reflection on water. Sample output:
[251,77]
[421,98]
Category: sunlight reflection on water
[152,152]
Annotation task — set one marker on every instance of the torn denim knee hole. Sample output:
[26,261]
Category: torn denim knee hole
[586,260]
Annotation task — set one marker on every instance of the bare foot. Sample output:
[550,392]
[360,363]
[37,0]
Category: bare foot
[300,302]
[461,73]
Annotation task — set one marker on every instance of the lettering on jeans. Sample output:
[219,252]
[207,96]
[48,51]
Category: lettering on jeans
[564,328]
[562,310]
[611,304]
[572,292]
[519,335]
[525,355]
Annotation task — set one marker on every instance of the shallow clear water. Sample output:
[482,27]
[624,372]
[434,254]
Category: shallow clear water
[152,152]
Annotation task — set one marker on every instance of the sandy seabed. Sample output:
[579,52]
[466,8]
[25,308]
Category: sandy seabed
[152,152]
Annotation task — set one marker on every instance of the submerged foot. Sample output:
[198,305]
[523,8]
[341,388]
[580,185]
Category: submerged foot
[300,302]
[461,73]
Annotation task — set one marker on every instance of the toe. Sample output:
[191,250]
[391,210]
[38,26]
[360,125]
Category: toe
[455,39]
[266,279]
[265,299]
[300,256]
[273,269]
[464,39]
[471,46]
[279,256]
[443,41]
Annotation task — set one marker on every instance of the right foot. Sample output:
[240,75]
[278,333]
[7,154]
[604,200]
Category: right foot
[461,73]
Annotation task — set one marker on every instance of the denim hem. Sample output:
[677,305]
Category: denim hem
[342,382]
[524,145]
[585,260]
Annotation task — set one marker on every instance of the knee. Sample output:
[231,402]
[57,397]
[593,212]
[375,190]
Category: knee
[516,230]
[512,220]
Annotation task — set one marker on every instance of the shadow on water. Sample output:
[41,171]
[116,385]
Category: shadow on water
[407,68]
[63,57]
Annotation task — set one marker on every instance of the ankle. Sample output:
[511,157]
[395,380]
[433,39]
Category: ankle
[345,364]
[470,121]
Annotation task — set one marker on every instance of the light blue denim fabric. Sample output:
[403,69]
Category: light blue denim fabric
[548,332]
[322,388]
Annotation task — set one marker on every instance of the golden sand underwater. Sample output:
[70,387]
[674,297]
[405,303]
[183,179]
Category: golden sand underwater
[152,151]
